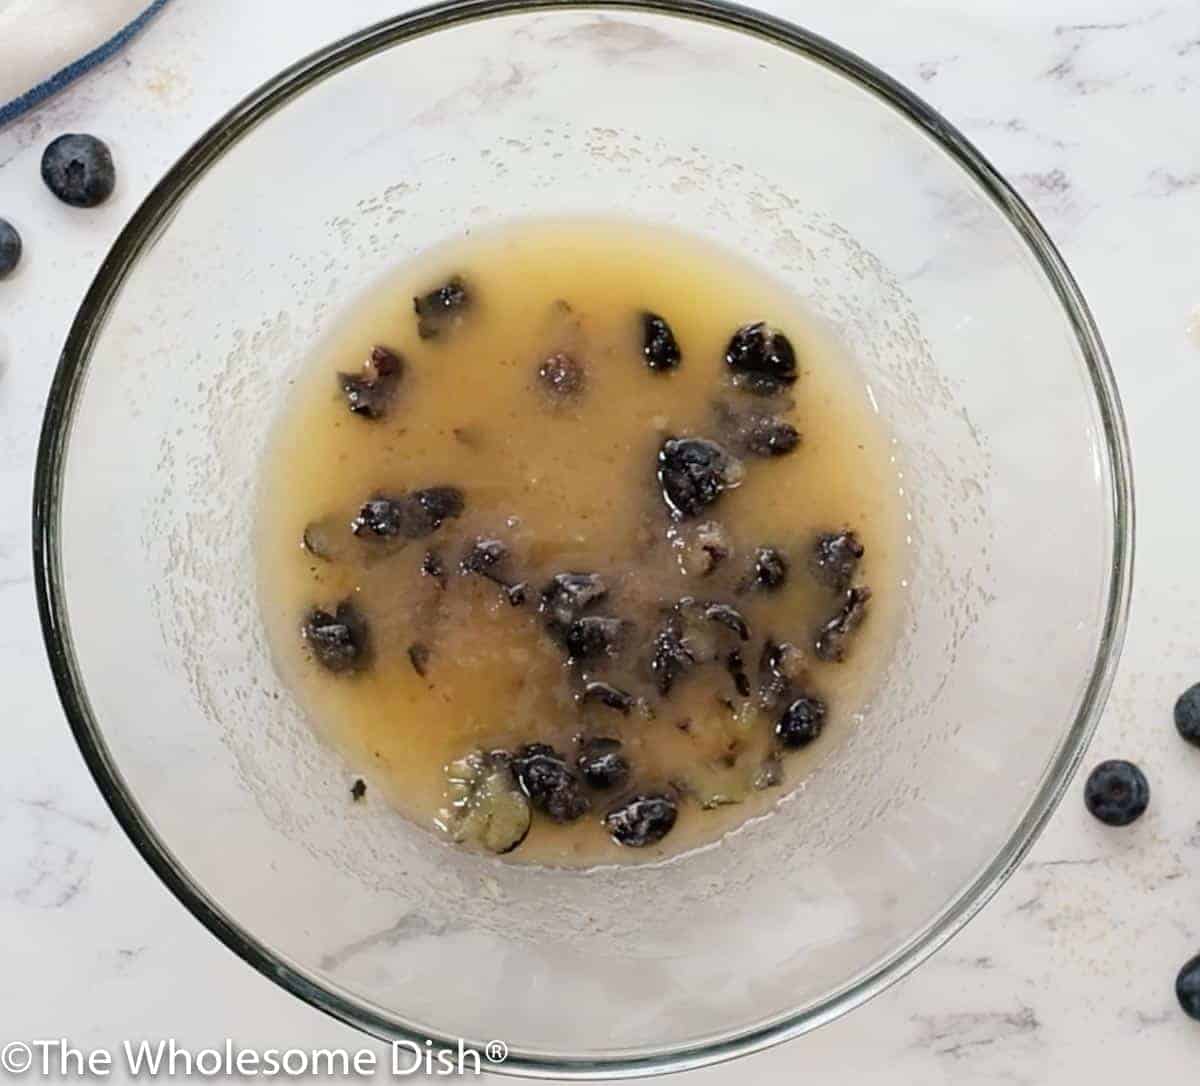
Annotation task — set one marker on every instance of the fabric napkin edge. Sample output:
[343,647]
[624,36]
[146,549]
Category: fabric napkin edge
[60,79]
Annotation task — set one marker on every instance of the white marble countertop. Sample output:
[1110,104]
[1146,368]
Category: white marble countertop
[1090,107]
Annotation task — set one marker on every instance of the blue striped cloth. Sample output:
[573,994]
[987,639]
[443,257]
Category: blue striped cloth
[94,53]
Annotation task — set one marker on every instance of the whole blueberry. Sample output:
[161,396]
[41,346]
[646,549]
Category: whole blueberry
[548,782]
[642,820]
[801,722]
[1117,792]
[761,358]
[10,248]
[1187,714]
[79,170]
[1187,988]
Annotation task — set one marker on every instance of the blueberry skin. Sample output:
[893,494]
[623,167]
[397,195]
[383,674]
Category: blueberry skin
[607,694]
[10,248]
[1117,793]
[79,170]
[1187,714]
[1187,988]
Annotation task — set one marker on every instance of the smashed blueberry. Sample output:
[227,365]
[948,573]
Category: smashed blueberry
[694,472]
[831,639]
[642,820]
[432,566]
[715,784]
[762,360]
[835,559]
[10,248]
[441,308]
[801,722]
[758,433]
[368,394]
[413,516]
[418,656]
[516,594]
[767,435]
[339,641]
[486,807]
[770,569]
[671,657]
[436,504]
[482,558]
[607,694]
[593,636]
[704,549]
[686,640]
[379,517]
[658,344]
[568,595]
[321,538]
[770,773]
[736,667]
[79,170]
[1187,714]
[1187,988]
[1117,792]
[780,668]
[729,617]
[602,764]
[562,376]
[549,783]
[358,789]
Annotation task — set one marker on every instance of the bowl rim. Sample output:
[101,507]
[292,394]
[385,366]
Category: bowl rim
[154,214]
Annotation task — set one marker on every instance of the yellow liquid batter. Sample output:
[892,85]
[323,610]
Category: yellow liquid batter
[568,483]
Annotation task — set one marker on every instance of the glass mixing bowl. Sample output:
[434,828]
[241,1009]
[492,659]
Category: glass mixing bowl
[972,339]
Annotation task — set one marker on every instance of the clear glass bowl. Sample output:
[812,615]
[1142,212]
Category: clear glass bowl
[975,343]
